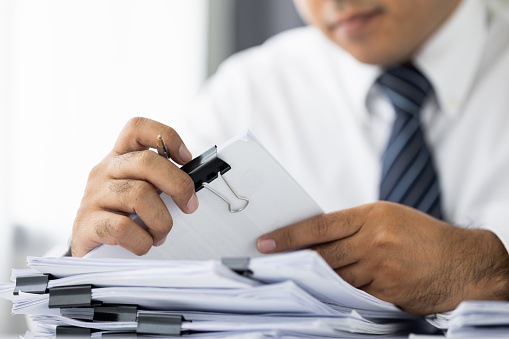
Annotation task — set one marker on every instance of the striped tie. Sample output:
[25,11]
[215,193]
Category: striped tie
[408,172]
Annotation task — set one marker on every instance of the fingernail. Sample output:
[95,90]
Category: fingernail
[266,245]
[161,241]
[184,153]
[192,204]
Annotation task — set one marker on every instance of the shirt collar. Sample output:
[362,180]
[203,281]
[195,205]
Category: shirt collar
[450,58]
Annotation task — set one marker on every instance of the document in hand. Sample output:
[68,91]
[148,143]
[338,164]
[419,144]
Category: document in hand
[213,232]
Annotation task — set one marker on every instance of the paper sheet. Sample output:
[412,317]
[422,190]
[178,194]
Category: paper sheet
[212,232]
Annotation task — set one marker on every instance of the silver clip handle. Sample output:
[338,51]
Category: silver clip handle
[224,198]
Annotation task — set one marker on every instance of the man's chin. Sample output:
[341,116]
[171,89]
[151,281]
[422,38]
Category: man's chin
[366,54]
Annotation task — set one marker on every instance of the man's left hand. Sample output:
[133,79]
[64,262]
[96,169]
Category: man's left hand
[403,256]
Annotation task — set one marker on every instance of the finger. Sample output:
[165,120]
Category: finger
[321,229]
[355,274]
[140,133]
[342,252]
[140,197]
[163,174]
[113,229]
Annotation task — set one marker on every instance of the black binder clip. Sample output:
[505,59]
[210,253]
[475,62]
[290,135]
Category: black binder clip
[72,331]
[160,324]
[124,313]
[70,296]
[79,313]
[238,265]
[207,167]
[37,284]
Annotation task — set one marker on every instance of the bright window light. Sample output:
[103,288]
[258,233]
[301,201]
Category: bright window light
[77,71]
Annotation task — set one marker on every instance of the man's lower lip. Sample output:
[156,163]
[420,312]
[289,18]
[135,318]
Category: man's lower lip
[355,26]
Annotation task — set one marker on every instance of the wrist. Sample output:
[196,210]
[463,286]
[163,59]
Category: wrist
[488,275]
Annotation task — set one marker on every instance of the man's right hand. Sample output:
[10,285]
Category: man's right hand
[126,182]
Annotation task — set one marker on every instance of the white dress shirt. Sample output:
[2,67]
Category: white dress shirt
[318,111]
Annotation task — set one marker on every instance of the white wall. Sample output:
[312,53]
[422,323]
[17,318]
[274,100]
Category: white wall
[5,230]
[76,71]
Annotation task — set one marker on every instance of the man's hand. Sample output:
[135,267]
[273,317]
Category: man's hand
[126,182]
[403,256]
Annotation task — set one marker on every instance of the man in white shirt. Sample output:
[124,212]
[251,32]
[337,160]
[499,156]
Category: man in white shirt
[312,96]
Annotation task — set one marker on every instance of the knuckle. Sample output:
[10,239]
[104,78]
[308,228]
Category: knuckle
[103,228]
[171,132]
[129,136]
[382,207]
[140,190]
[386,233]
[146,158]
[121,186]
[163,215]
[96,171]
[320,228]
[132,128]
[334,252]
[340,251]
[287,239]
[388,271]
[116,162]
[183,184]
[349,277]
[135,123]
[89,196]
[121,190]
[95,179]
[383,237]
[352,221]
[78,222]
[121,229]
[391,292]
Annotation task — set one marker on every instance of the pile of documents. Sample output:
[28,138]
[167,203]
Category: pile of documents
[475,319]
[290,295]
[283,295]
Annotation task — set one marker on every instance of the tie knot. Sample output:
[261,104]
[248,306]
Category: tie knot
[406,87]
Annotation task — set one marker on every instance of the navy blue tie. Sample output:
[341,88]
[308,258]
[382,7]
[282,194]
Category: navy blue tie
[408,171]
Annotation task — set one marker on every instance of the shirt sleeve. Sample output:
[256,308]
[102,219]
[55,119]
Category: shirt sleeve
[496,219]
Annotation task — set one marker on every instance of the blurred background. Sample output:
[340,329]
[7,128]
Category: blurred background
[72,72]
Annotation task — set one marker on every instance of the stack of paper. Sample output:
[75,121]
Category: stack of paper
[306,268]
[477,319]
[293,294]
[303,326]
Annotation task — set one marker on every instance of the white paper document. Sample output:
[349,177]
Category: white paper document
[256,327]
[213,232]
[479,319]
[310,271]
[279,298]
[306,268]
[290,294]
[338,326]
[127,272]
